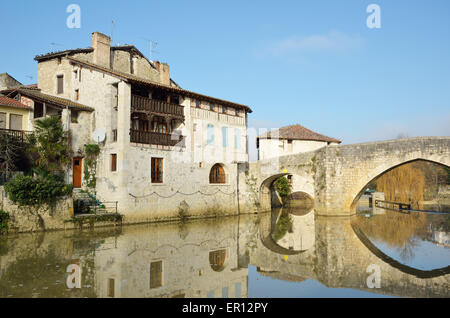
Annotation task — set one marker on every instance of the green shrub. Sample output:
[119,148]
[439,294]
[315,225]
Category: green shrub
[283,226]
[284,188]
[29,191]
[4,220]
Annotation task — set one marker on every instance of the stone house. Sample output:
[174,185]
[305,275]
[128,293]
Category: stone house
[166,152]
[291,140]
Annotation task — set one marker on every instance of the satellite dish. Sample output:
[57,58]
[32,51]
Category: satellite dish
[99,136]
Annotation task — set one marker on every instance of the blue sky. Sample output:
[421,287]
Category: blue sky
[310,62]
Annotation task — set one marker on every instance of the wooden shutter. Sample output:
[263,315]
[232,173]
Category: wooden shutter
[15,122]
[113,162]
[2,120]
[60,83]
[156,274]
[157,170]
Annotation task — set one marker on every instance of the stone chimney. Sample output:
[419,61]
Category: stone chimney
[164,72]
[102,49]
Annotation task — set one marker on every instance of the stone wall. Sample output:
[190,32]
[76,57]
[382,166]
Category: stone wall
[33,219]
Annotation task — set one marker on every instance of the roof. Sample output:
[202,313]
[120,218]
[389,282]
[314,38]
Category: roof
[146,82]
[36,94]
[297,132]
[10,102]
[52,55]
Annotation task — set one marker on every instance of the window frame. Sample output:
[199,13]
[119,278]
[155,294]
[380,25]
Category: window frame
[157,164]
[113,162]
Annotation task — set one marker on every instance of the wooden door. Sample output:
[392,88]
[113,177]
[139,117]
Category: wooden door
[77,164]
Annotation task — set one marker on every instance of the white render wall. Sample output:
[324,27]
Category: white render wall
[272,148]
[186,190]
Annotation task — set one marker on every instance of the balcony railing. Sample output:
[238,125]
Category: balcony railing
[142,104]
[19,134]
[153,138]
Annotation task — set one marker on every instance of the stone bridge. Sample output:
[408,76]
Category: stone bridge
[336,176]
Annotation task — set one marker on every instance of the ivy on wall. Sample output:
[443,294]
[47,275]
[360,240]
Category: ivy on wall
[90,165]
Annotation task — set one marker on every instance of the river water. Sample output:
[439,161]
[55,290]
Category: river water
[279,254]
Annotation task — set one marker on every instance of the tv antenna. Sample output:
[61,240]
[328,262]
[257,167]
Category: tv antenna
[112,31]
[53,44]
[152,45]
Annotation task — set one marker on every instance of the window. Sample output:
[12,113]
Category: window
[217,260]
[59,60]
[60,84]
[217,174]
[238,290]
[75,74]
[2,120]
[157,170]
[211,107]
[237,138]
[113,162]
[77,94]
[111,287]
[197,103]
[15,122]
[114,133]
[225,136]
[210,135]
[236,112]
[159,125]
[38,110]
[74,116]
[224,110]
[156,274]
[225,292]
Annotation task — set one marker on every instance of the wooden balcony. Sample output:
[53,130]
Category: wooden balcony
[153,106]
[18,134]
[153,138]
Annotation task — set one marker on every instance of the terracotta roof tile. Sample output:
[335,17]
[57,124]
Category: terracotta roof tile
[10,102]
[297,132]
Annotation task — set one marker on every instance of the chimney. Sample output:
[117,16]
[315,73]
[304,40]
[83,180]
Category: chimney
[102,49]
[164,73]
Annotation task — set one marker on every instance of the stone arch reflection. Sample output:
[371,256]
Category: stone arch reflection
[394,263]
[290,232]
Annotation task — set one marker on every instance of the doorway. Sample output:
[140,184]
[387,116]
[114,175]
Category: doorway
[77,164]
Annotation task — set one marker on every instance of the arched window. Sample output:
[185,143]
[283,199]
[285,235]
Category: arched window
[217,260]
[217,174]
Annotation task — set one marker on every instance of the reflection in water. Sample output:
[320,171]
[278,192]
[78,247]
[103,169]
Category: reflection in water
[215,258]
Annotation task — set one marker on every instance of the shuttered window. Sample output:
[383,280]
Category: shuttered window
[157,170]
[60,84]
[156,274]
[2,120]
[15,122]
[225,136]
[237,138]
[210,135]
[111,287]
[113,162]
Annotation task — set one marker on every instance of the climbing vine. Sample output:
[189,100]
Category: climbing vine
[90,168]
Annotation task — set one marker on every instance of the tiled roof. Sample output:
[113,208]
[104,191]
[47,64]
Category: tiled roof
[34,93]
[10,102]
[297,132]
[143,81]
[52,55]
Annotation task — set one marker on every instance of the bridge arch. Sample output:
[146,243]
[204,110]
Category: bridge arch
[361,185]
